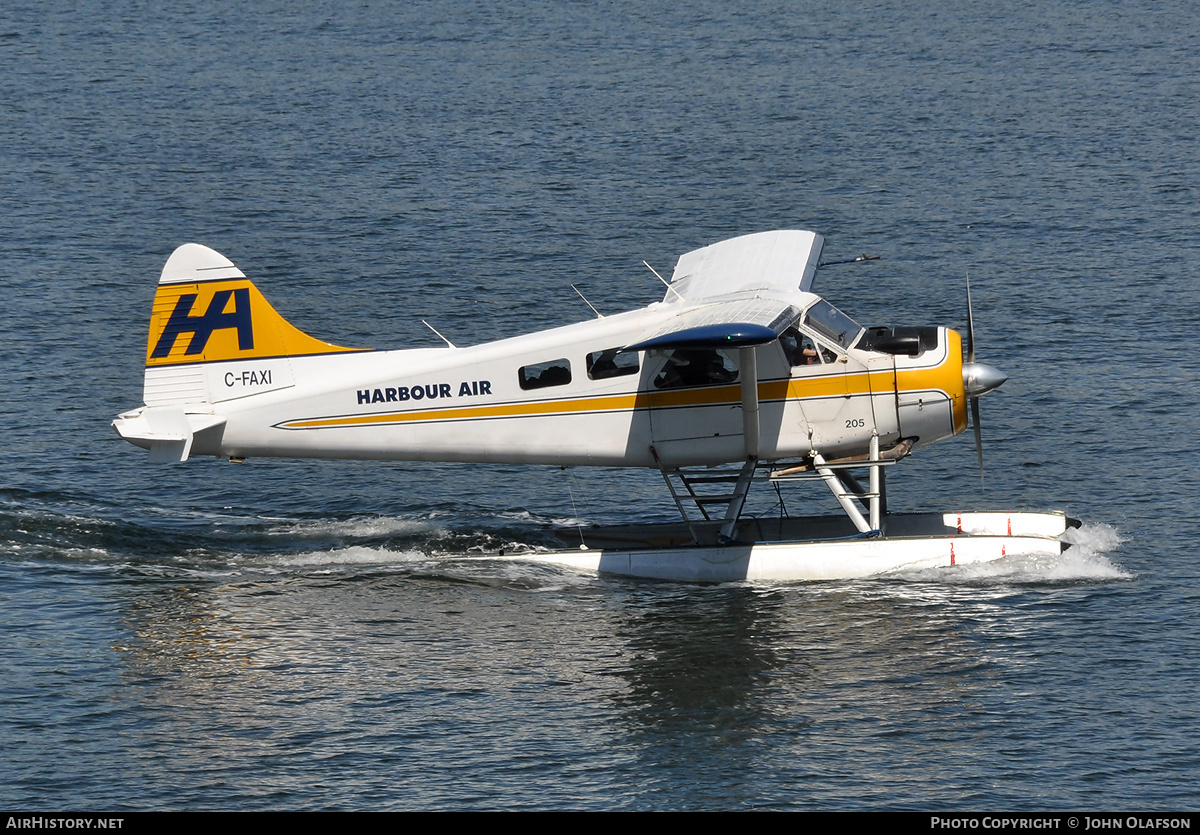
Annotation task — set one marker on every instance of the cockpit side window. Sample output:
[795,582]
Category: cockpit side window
[831,323]
[687,367]
[802,349]
[601,365]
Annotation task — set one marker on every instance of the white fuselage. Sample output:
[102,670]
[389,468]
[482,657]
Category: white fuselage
[468,404]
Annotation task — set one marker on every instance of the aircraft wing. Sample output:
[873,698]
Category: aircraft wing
[733,323]
[738,292]
[785,259]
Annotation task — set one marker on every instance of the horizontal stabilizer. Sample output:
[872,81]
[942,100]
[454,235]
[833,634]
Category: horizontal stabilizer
[166,431]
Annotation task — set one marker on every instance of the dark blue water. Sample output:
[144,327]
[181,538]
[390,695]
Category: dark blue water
[311,635]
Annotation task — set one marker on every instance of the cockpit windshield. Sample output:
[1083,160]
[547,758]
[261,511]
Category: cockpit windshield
[831,323]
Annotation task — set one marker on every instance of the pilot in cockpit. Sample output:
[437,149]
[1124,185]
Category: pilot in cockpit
[799,349]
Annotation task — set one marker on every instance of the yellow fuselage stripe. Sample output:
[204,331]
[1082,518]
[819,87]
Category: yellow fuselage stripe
[840,385]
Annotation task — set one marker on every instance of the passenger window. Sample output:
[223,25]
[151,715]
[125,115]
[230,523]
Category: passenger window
[544,374]
[601,365]
[696,367]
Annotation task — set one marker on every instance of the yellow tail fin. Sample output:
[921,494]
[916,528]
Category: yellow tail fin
[206,310]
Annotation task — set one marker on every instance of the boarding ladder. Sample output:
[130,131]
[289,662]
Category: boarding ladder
[717,494]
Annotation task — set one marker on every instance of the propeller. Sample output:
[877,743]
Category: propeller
[978,379]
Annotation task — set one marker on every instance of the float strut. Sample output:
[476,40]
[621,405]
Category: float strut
[839,492]
[734,509]
[876,485]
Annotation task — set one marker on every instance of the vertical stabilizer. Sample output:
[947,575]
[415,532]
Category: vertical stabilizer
[206,312]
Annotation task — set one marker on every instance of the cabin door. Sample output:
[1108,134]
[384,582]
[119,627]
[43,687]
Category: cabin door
[695,401]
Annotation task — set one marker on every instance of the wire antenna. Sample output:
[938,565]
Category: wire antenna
[599,315]
[665,282]
[439,333]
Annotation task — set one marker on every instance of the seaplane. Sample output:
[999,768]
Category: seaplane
[740,376]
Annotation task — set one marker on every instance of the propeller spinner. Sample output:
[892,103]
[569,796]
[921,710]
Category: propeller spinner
[978,379]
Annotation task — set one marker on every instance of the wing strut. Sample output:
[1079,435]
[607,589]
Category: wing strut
[750,432]
[689,479]
[750,423]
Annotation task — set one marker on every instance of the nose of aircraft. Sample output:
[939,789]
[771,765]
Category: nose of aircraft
[979,378]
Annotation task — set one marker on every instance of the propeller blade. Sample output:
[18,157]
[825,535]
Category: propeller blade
[978,379]
[978,436]
[970,326]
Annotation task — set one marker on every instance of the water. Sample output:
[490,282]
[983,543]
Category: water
[332,635]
